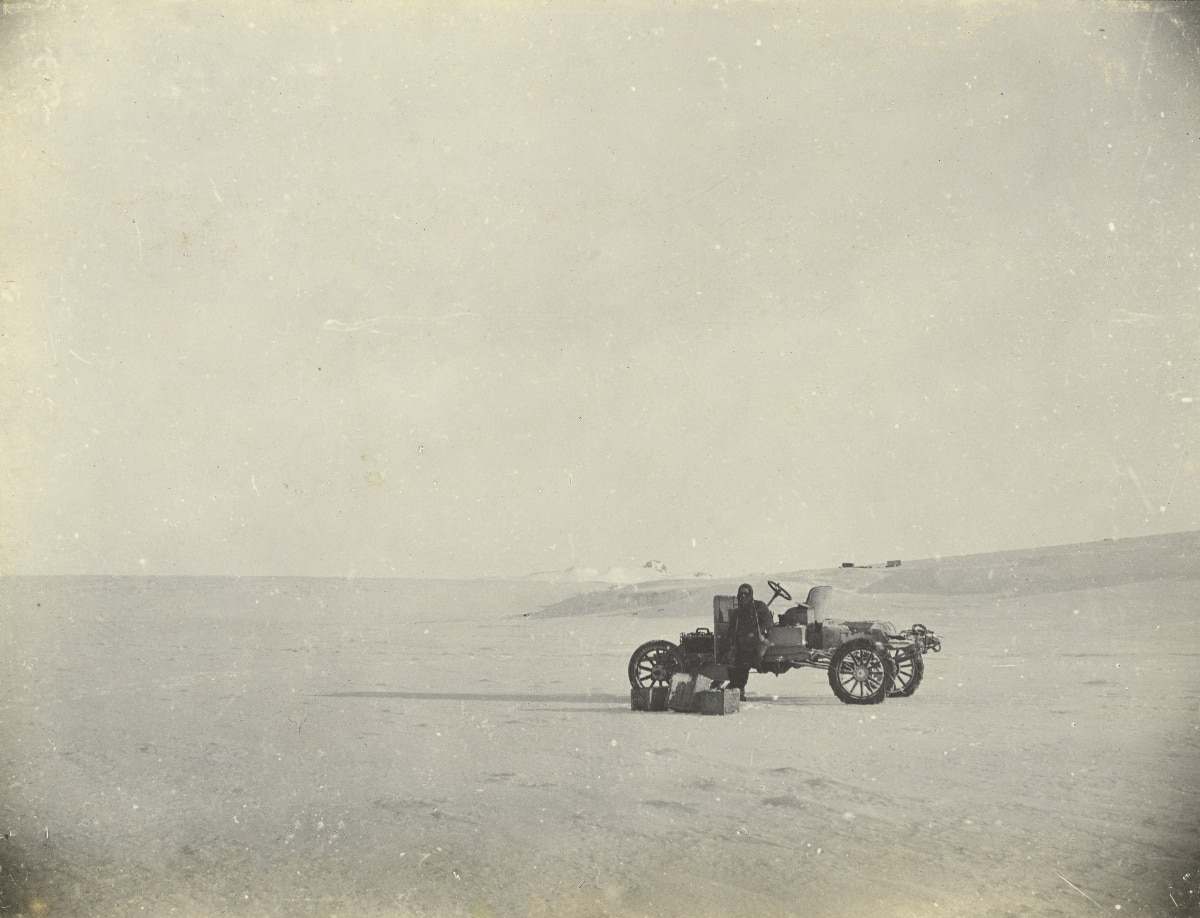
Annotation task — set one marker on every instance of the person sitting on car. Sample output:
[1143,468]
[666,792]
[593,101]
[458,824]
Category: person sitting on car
[749,625]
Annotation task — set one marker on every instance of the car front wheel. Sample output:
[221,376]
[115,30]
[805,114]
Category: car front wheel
[909,673]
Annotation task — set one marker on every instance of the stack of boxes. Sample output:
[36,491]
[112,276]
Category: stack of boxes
[687,694]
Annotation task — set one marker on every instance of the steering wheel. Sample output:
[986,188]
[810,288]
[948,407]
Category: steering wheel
[779,590]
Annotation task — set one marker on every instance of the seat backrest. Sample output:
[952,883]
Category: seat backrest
[818,597]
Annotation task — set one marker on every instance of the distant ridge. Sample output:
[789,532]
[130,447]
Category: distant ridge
[650,572]
[611,575]
[1053,569]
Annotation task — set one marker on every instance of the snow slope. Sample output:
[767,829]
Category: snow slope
[313,747]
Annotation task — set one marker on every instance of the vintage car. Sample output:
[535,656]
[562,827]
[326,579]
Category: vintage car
[867,661]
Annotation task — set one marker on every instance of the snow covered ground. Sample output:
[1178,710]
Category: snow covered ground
[255,747]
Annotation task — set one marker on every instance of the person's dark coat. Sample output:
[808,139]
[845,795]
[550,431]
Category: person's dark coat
[750,624]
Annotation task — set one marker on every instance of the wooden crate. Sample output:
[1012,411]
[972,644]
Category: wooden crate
[719,701]
[786,641]
[684,688]
[649,699]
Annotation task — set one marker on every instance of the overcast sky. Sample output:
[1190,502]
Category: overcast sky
[363,289]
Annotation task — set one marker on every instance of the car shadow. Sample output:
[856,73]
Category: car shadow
[594,699]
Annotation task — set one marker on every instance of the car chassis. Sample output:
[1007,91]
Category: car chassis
[867,661]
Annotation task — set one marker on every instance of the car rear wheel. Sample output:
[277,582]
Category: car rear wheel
[653,664]
[858,673]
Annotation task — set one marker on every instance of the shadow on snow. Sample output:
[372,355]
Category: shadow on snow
[593,699]
[481,696]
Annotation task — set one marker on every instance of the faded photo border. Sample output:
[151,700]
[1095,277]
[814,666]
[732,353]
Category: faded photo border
[391,307]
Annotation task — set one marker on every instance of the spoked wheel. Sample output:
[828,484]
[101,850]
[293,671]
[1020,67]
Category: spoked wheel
[858,673]
[908,675]
[653,664]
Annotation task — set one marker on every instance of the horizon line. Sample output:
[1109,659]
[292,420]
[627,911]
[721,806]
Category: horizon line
[533,577]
